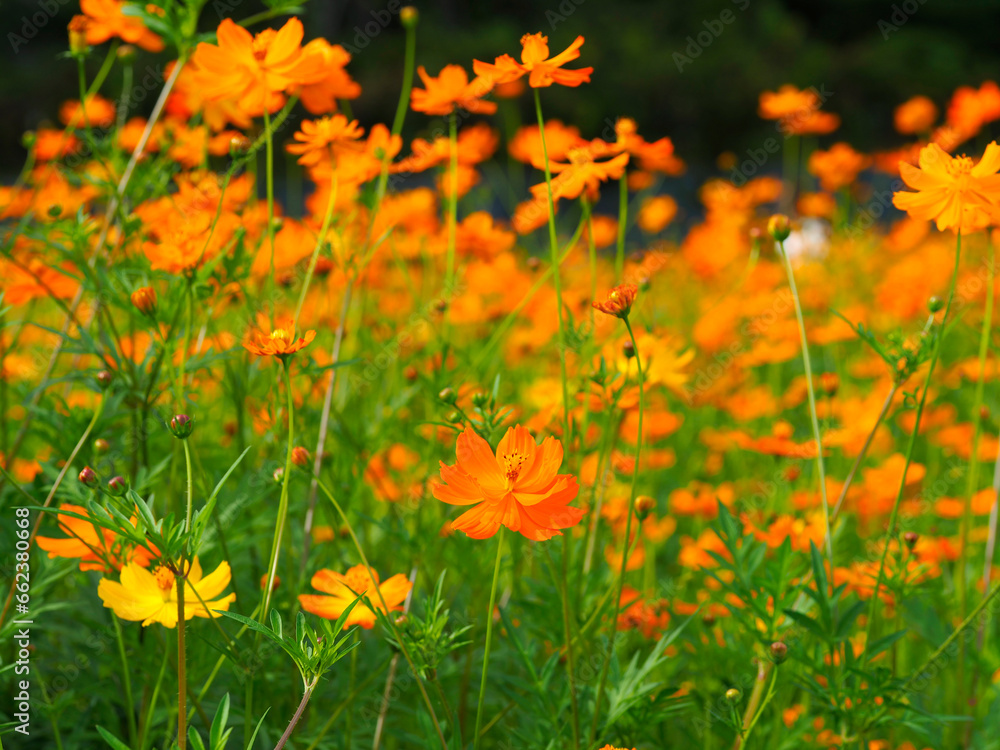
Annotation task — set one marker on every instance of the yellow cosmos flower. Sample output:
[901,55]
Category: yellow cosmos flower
[151,596]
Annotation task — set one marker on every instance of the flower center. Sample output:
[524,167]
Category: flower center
[261,42]
[280,335]
[358,580]
[579,156]
[512,463]
[164,579]
[960,166]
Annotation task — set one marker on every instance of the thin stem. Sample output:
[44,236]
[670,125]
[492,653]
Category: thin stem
[568,634]
[126,680]
[873,608]
[817,436]
[556,279]
[864,450]
[279,526]
[617,603]
[451,185]
[489,639]
[269,179]
[190,485]
[392,626]
[181,666]
[319,243]
[751,714]
[622,219]
[295,717]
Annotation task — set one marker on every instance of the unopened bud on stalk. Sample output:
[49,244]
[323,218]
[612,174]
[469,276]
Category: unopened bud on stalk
[644,505]
[409,16]
[181,426]
[911,538]
[410,373]
[830,382]
[88,477]
[104,379]
[300,457]
[448,395]
[274,583]
[279,475]
[628,349]
[78,44]
[117,486]
[935,304]
[101,446]
[125,53]
[239,144]
[779,652]
[455,418]
[779,227]
[533,263]
[144,299]
[733,695]
[479,399]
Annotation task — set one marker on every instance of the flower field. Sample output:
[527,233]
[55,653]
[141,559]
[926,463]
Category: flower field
[501,436]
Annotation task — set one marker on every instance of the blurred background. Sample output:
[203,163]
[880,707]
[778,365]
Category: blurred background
[692,71]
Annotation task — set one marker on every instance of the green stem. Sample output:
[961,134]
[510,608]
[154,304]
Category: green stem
[269,178]
[556,279]
[181,666]
[617,603]
[568,632]
[319,244]
[279,526]
[622,218]
[190,485]
[126,681]
[489,638]
[392,625]
[812,401]
[873,608]
[449,278]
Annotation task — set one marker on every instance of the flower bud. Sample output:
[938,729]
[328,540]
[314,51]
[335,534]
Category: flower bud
[448,395]
[104,379]
[126,53]
[619,301]
[181,426]
[300,457]
[239,144]
[733,695]
[410,373]
[479,399]
[628,349]
[101,446]
[911,537]
[440,305]
[455,418]
[779,652]
[274,583]
[88,477]
[984,413]
[117,486]
[935,304]
[55,211]
[779,227]
[409,16]
[144,299]
[533,263]
[644,505]
[78,44]
[279,475]
[830,382]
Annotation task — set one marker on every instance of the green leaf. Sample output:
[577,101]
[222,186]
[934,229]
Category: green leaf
[218,735]
[877,647]
[115,743]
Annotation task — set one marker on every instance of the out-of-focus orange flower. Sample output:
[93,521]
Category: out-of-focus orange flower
[54,144]
[797,111]
[340,590]
[820,205]
[541,69]
[519,487]
[583,172]
[915,115]
[526,145]
[333,82]
[98,548]
[837,167]
[280,342]
[450,89]
[255,70]
[108,19]
[619,301]
[321,139]
[971,108]
[951,190]
[655,213]
[98,112]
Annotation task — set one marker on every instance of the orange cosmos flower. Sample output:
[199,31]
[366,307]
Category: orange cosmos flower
[619,301]
[98,548]
[583,172]
[952,190]
[519,487]
[340,590]
[452,89]
[333,83]
[915,115]
[256,70]
[319,139]
[542,70]
[107,19]
[837,167]
[279,343]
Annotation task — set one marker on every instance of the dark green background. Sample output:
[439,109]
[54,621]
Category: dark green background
[707,108]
